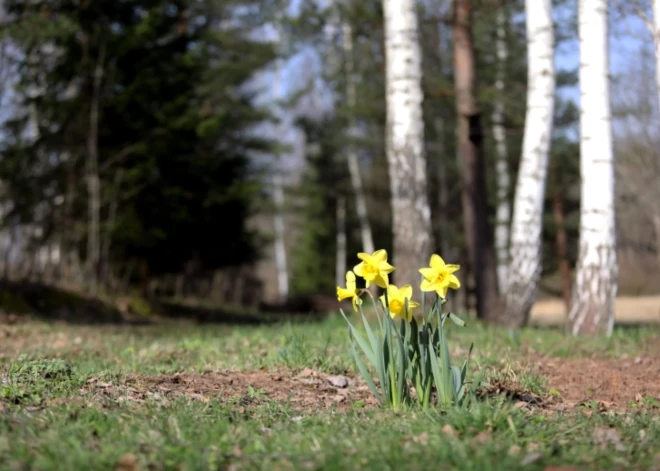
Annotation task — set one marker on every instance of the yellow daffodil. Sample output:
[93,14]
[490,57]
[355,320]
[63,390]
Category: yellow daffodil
[350,291]
[439,276]
[374,268]
[396,297]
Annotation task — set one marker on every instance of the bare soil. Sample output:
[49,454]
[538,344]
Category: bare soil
[622,385]
[615,384]
[307,392]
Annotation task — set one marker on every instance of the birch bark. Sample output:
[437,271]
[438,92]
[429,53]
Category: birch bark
[527,224]
[592,309]
[411,212]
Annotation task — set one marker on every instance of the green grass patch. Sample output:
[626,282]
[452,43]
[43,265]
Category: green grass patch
[52,419]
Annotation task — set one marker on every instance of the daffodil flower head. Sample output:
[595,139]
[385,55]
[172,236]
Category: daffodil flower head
[439,276]
[396,298]
[374,268]
[351,291]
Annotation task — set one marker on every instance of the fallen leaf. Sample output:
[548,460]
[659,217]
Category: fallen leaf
[338,381]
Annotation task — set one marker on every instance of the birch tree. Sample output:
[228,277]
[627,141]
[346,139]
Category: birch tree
[411,214]
[503,212]
[527,224]
[278,217]
[592,310]
[351,153]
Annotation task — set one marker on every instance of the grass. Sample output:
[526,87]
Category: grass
[69,399]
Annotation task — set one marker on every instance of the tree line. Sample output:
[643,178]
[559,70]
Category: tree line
[135,144]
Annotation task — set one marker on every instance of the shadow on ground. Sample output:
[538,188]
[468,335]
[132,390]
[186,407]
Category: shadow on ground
[52,303]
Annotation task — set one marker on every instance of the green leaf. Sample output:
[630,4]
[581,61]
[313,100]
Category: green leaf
[361,342]
[365,374]
[370,333]
[402,357]
[458,384]
[457,320]
[437,377]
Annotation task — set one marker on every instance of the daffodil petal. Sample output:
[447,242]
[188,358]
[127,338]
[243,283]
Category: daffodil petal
[428,273]
[454,283]
[381,280]
[452,268]
[365,257]
[441,291]
[437,263]
[406,291]
[379,256]
[385,267]
[350,281]
[426,286]
[392,291]
[356,301]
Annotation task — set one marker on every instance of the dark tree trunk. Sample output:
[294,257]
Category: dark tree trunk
[469,134]
[561,239]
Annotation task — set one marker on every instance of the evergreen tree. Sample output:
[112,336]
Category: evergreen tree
[174,116]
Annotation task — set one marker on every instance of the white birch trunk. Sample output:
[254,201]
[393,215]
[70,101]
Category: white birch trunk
[526,228]
[278,218]
[592,310]
[656,39]
[340,263]
[411,214]
[351,154]
[503,213]
[280,233]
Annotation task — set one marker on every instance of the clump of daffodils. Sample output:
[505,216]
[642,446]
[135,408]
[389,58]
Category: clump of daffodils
[410,357]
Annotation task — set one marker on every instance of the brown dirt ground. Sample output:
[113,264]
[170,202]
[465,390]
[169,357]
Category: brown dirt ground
[309,391]
[617,385]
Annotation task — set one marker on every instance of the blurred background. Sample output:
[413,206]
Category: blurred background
[200,151]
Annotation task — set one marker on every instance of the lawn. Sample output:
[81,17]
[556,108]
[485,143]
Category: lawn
[286,396]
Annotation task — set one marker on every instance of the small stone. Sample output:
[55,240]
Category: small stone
[338,381]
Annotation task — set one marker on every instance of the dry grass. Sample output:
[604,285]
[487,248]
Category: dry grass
[629,310]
